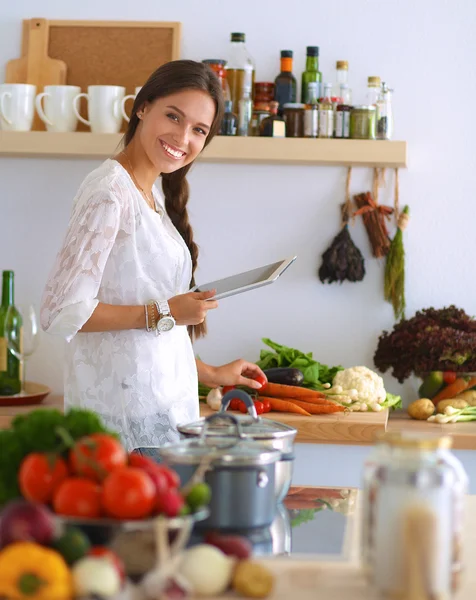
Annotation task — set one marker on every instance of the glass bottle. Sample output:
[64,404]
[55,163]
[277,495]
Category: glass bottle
[373,91]
[385,114]
[285,83]
[274,125]
[311,111]
[240,69]
[342,113]
[326,113]
[342,71]
[311,73]
[245,112]
[230,120]
[10,372]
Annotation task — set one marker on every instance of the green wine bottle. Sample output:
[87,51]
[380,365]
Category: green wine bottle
[10,370]
[311,74]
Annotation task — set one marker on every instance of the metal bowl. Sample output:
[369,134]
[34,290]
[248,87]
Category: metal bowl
[132,541]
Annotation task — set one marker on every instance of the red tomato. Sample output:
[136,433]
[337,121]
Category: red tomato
[449,377]
[96,455]
[261,380]
[227,388]
[170,503]
[173,480]
[40,475]
[76,497]
[259,407]
[128,493]
[267,405]
[235,404]
[242,407]
[112,557]
[140,461]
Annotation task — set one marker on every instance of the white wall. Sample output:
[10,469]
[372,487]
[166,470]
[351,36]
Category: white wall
[246,215]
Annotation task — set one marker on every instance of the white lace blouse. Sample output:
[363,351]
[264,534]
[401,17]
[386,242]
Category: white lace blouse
[117,250]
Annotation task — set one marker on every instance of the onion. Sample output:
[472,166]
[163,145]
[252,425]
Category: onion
[22,521]
[207,570]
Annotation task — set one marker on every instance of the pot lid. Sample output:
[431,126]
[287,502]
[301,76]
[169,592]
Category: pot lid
[254,429]
[221,451]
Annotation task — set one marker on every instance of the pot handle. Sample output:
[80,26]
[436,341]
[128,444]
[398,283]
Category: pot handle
[246,398]
[287,456]
[221,416]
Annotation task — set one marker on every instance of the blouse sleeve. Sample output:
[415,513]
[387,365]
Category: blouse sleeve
[70,295]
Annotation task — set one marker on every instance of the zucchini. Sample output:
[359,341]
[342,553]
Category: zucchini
[284,375]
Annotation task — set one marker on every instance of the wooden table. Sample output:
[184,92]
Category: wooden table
[354,429]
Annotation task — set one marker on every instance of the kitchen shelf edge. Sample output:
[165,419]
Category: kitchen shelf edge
[244,150]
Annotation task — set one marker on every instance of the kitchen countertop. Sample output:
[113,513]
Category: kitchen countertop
[352,429]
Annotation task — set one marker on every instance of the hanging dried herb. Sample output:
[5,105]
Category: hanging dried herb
[374,216]
[343,260]
[394,287]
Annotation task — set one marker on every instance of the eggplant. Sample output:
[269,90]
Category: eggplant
[284,375]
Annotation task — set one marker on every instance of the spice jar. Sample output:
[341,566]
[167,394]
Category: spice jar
[256,118]
[293,113]
[343,121]
[217,65]
[264,92]
[363,123]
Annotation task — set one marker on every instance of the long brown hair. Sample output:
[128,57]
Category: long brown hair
[170,78]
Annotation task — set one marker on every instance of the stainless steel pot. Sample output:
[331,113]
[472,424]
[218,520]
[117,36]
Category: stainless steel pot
[272,434]
[241,475]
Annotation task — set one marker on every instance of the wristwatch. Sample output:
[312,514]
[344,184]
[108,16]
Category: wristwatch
[166,322]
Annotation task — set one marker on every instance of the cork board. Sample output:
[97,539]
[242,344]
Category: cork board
[112,52]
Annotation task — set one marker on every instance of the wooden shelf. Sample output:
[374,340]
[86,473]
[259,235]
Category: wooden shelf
[252,150]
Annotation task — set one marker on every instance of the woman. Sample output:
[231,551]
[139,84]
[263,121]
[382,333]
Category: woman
[118,292]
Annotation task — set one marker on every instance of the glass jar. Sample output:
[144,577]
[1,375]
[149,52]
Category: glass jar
[293,113]
[217,65]
[264,92]
[363,123]
[343,121]
[256,118]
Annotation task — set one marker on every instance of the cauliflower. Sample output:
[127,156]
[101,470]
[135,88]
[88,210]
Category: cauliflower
[368,385]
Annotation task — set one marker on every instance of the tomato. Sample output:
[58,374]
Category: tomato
[112,557]
[159,473]
[449,377]
[227,388]
[235,404]
[128,493]
[40,475]
[140,461]
[77,497]
[261,379]
[170,503]
[171,476]
[96,455]
[259,406]
[267,405]
[242,407]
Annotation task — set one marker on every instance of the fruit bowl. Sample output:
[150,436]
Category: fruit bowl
[133,541]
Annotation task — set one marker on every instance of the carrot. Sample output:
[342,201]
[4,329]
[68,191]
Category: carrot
[279,390]
[452,390]
[319,409]
[285,406]
[312,400]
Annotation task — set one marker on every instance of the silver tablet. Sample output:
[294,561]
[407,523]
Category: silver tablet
[248,280]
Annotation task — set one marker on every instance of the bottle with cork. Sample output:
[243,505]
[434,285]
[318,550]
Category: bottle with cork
[285,83]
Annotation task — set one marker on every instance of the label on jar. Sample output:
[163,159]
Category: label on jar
[311,122]
[326,123]
[3,354]
[343,124]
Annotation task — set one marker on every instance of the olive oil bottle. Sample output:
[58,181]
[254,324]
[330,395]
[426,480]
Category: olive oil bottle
[10,372]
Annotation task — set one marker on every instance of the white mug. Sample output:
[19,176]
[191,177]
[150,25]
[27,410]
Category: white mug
[17,106]
[58,101]
[125,99]
[104,108]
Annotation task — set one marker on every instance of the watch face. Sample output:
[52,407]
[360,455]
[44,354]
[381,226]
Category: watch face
[165,324]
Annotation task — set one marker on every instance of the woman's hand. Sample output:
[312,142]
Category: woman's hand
[239,372]
[191,308]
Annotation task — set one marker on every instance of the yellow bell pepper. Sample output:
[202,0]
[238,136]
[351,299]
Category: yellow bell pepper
[29,571]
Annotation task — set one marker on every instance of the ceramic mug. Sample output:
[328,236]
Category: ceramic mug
[58,114]
[125,99]
[17,106]
[104,108]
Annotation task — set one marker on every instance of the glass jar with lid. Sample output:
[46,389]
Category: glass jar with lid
[293,113]
[363,122]
[217,65]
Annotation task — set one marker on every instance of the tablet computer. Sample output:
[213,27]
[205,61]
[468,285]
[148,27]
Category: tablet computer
[248,280]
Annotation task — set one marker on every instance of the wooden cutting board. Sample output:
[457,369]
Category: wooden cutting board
[35,66]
